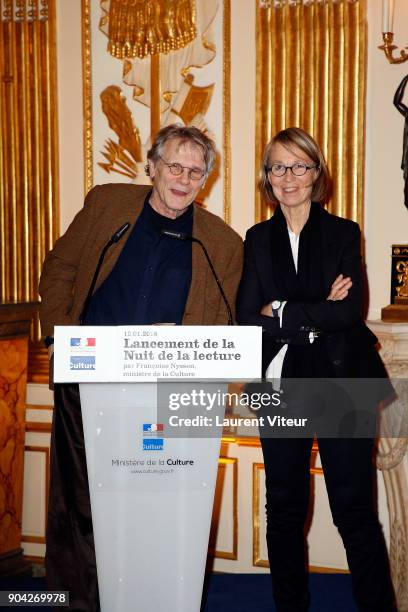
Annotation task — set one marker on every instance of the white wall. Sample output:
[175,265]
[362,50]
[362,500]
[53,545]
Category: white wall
[243,74]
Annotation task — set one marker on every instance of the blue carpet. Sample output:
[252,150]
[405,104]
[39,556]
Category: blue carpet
[253,593]
[239,593]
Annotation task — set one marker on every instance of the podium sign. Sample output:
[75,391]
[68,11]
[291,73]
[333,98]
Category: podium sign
[151,496]
[143,353]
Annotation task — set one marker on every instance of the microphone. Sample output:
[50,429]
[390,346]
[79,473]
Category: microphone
[177,235]
[120,232]
[183,236]
[113,239]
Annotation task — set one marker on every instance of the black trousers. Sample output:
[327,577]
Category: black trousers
[348,472]
[70,556]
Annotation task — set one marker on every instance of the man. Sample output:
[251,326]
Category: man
[146,278]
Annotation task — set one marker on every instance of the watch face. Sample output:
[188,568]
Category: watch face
[276,304]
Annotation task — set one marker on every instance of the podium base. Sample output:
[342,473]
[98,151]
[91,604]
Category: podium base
[396,313]
[151,498]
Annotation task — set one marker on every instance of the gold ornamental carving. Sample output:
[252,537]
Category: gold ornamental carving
[159,80]
[24,10]
[402,277]
[196,101]
[397,311]
[122,157]
[87,95]
[161,77]
[138,28]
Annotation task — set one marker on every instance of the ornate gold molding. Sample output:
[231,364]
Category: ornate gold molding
[223,554]
[150,27]
[257,561]
[321,569]
[227,109]
[122,157]
[87,92]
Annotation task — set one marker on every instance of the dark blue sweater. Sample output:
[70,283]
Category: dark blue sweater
[151,279]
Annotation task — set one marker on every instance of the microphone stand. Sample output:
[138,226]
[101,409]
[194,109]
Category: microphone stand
[115,238]
[183,236]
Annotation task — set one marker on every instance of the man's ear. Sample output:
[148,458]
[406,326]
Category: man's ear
[152,168]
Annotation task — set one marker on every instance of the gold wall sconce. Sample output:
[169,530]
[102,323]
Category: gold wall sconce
[388,35]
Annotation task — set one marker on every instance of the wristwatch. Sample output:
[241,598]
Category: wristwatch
[276,304]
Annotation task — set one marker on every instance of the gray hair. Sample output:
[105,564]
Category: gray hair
[184,134]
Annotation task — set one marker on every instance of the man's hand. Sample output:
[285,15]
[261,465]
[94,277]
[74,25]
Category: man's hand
[340,288]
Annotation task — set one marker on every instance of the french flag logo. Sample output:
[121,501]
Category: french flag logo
[152,427]
[83,342]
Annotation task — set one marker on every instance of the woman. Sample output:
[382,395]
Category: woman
[302,284]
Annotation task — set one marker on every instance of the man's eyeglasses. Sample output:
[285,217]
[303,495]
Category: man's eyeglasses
[298,169]
[194,174]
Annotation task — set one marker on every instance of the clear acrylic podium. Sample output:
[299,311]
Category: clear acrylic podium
[151,494]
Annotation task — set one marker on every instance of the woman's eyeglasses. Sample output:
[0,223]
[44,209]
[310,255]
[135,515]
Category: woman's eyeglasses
[298,169]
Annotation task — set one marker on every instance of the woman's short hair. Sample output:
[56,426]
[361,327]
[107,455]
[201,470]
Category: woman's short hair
[296,137]
[184,134]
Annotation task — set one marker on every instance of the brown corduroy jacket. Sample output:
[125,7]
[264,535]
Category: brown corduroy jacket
[69,266]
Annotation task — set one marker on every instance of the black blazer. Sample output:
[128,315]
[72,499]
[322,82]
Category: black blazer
[350,344]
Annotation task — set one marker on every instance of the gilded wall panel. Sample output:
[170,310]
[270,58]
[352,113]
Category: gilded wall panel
[311,73]
[29,211]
